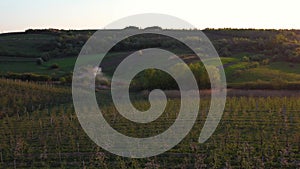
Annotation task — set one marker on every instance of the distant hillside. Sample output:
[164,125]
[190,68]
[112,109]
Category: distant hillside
[279,45]
[253,59]
[39,43]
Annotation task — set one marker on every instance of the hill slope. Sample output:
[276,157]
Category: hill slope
[248,55]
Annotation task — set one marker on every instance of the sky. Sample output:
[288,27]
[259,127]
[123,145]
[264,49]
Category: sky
[19,15]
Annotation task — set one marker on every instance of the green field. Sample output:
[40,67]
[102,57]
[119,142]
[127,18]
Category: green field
[43,132]
[65,65]
[236,71]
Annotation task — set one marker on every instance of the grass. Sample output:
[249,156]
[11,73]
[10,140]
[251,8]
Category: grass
[16,59]
[66,65]
[27,44]
[231,69]
[227,60]
[236,71]
[224,60]
[285,67]
[32,67]
[264,73]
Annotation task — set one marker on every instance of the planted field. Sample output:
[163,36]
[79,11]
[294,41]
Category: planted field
[29,66]
[255,132]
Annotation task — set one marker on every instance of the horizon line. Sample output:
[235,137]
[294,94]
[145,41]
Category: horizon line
[140,28]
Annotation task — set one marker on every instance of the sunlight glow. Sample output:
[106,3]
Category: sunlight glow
[19,15]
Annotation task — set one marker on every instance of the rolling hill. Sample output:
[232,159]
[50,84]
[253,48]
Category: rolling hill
[250,56]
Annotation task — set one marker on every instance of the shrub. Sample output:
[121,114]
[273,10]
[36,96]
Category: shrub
[45,57]
[225,52]
[156,79]
[257,57]
[62,80]
[253,65]
[39,61]
[28,76]
[103,82]
[238,73]
[266,61]
[1,115]
[271,85]
[54,66]
[245,59]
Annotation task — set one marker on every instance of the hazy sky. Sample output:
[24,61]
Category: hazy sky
[18,15]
